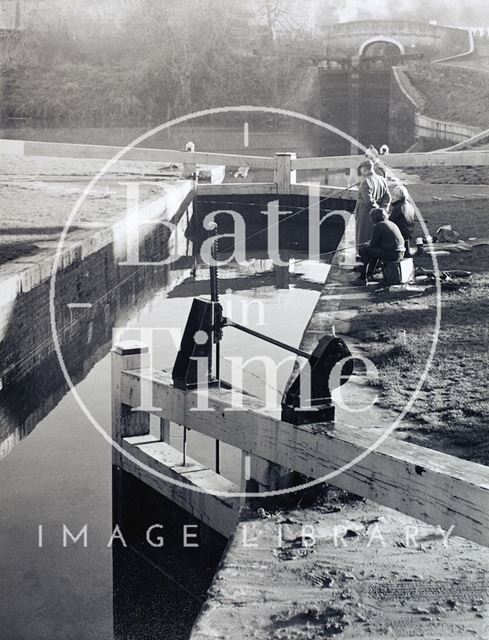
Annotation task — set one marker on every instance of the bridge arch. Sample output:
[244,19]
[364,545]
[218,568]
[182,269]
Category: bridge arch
[376,39]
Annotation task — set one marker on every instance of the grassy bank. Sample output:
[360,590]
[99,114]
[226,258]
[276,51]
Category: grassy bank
[162,60]
[451,93]
[451,412]
[451,175]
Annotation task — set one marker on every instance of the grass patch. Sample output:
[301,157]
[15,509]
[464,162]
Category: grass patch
[451,412]
[445,91]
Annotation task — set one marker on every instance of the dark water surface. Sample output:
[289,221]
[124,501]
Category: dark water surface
[61,475]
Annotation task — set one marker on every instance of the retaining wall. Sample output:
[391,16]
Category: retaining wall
[91,273]
[427,127]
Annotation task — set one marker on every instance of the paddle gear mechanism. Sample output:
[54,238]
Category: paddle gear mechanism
[307,398]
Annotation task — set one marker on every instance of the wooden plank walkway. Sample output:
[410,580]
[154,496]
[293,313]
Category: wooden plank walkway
[399,160]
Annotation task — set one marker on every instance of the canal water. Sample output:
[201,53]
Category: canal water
[265,135]
[61,475]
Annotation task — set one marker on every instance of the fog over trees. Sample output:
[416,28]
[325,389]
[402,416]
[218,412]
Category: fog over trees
[124,61]
[141,60]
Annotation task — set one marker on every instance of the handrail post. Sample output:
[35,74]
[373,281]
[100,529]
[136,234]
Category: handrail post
[126,356]
[284,176]
[189,170]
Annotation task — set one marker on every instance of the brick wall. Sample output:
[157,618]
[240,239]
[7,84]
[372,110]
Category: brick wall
[31,378]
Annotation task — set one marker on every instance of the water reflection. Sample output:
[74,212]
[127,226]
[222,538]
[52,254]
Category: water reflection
[35,385]
[61,474]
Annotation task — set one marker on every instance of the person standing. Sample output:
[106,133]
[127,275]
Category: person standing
[373,193]
[403,214]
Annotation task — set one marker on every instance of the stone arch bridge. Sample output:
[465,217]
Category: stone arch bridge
[354,38]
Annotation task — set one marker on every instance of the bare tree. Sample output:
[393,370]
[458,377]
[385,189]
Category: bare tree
[279,16]
[188,39]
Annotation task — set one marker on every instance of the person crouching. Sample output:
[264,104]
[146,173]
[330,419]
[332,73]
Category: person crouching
[386,244]
[403,214]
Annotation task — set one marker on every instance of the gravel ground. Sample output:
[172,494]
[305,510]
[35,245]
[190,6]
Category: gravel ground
[370,581]
[38,195]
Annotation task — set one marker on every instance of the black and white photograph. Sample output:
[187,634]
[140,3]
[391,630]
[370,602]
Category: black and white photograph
[244,319]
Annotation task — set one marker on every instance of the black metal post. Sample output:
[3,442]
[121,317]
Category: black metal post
[184,446]
[218,457]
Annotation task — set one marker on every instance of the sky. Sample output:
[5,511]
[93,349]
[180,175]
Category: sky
[463,13]
[449,12]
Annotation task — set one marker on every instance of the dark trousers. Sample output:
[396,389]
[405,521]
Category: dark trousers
[371,256]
